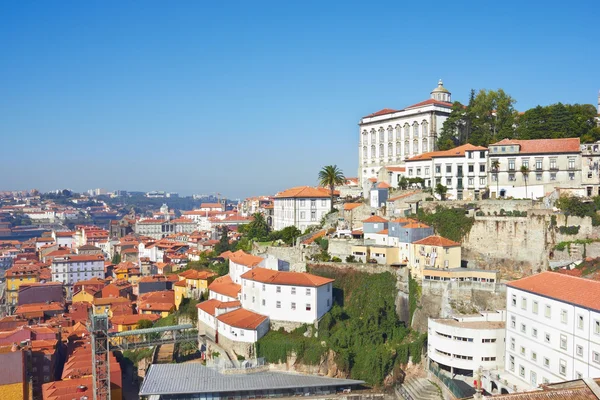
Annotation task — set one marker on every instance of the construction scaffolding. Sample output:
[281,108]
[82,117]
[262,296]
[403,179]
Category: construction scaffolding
[98,327]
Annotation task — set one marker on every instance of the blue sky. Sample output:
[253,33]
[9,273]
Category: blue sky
[247,98]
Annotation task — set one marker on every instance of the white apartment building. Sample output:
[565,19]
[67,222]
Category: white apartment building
[463,170]
[71,269]
[301,207]
[552,328]
[552,163]
[590,165]
[462,344]
[286,296]
[389,137]
[227,319]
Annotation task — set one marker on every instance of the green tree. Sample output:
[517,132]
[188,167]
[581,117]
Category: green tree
[496,170]
[223,244]
[559,121]
[257,229]
[116,259]
[441,191]
[289,234]
[525,173]
[331,176]
[403,183]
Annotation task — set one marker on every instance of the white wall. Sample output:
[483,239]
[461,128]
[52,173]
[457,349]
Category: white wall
[237,270]
[71,272]
[299,212]
[220,297]
[243,335]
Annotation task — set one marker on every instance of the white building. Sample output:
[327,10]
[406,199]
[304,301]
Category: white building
[286,296]
[462,170]
[226,319]
[389,137]
[551,163]
[71,269]
[462,344]
[301,207]
[552,328]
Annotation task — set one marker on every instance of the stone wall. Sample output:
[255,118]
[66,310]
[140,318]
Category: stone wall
[342,248]
[296,256]
[287,326]
[486,206]
[519,246]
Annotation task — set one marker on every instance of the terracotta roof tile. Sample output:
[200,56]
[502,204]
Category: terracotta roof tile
[455,152]
[304,192]
[375,218]
[543,146]
[439,241]
[225,286]
[577,291]
[209,306]
[242,318]
[270,276]
[351,206]
[133,319]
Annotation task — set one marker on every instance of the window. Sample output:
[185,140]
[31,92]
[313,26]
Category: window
[545,381]
[511,363]
[244,297]
[562,367]
[533,378]
[523,328]
[563,342]
[471,182]
[533,356]
[264,303]
[523,303]
[308,307]
[241,332]
[328,288]
[278,289]
[471,168]
[579,375]
[308,291]
[278,304]
[426,171]
[253,299]
[580,322]
[511,177]
[563,316]
[553,176]
[597,327]
[514,300]
[572,176]
[571,163]
[511,164]
[579,350]
[264,287]
[293,306]
[538,177]
[293,290]
[521,370]
[481,181]
[438,169]
[535,307]
[328,302]
[448,168]
[534,332]
[448,181]
[313,215]
[553,163]
[522,350]
[546,362]
[513,321]
[323,202]
[538,163]
[547,311]
[547,337]
[488,340]
[596,357]
[481,167]
[418,171]
[512,343]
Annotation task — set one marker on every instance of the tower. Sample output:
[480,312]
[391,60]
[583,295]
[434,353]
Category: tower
[440,93]
[98,327]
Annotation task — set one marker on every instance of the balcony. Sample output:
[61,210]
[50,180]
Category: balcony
[553,168]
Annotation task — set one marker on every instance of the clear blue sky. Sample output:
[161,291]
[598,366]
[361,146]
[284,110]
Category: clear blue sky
[252,97]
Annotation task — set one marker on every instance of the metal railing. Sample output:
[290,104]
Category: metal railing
[456,390]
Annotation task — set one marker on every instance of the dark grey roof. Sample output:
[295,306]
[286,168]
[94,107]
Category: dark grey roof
[166,379]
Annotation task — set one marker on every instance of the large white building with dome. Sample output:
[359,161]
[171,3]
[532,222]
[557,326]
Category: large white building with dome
[389,137]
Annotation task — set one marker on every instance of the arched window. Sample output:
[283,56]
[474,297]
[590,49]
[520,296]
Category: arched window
[365,137]
[425,127]
[381,134]
[373,151]
[416,129]
[425,149]
[372,136]
[381,150]
[390,149]
[415,146]
[390,134]
[365,152]
[406,131]
[398,148]
[406,146]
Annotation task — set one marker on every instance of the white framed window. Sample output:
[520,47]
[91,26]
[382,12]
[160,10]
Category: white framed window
[523,328]
[563,316]
[579,350]
[513,300]
[547,337]
[293,306]
[533,356]
[597,327]
[308,291]
[579,321]
[513,321]
[523,303]
[534,332]
[522,370]
[511,363]
[562,367]
[563,342]
[522,350]
[264,302]
[293,290]
[535,307]
[546,362]
[547,311]
[308,307]
[278,289]
[278,304]
[512,343]
[241,332]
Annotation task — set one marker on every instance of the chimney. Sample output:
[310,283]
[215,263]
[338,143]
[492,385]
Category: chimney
[81,388]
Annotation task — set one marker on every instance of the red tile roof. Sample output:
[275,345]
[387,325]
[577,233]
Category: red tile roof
[375,218]
[351,206]
[195,274]
[242,318]
[455,152]
[242,258]
[396,169]
[133,319]
[381,112]
[543,146]
[270,276]
[576,291]
[431,101]
[225,286]
[439,241]
[209,306]
[383,232]
[383,185]
[304,192]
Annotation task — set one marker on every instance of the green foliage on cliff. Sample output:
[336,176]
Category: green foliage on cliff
[414,295]
[451,223]
[362,329]
[575,206]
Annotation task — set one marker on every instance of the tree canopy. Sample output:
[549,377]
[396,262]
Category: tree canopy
[331,176]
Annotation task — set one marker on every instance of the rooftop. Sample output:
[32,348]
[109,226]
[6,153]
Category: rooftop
[304,192]
[471,324]
[225,286]
[455,152]
[242,318]
[164,379]
[434,240]
[569,289]
[543,146]
[270,276]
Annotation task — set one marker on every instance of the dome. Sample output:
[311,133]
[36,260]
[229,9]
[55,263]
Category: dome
[440,88]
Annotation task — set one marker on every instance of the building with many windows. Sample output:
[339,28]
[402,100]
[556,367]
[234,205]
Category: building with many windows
[552,328]
[462,170]
[532,168]
[389,136]
[74,268]
[301,207]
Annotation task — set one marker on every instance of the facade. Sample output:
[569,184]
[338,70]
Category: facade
[74,268]
[434,252]
[552,163]
[590,168]
[462,344]
[19,275]
[160,228]
[301,207]
[462,170]
[286,296]
[552,329]
[389,137]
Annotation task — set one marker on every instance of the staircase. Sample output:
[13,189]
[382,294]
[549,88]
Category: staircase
[418,389]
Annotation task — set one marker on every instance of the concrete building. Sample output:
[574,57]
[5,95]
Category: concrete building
[462,344]
[389,137]
[552,329]
[301,207]
[434,252]
[590,168]
[74,268]
[551,163]
[462,170]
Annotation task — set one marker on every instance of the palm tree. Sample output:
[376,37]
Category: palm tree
[525,172]
[331,176]
[496,169]
[441,191]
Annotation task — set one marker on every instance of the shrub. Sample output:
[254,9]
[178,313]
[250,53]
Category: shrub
[351,259]
[569,230]
[336,259]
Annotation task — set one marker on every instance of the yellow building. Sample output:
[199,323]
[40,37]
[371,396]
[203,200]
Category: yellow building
[180,289]
[86,295]
[192,283]
[18,275]
[108,304]
[385,255]
[435,252]
[461,275]
[122,323]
